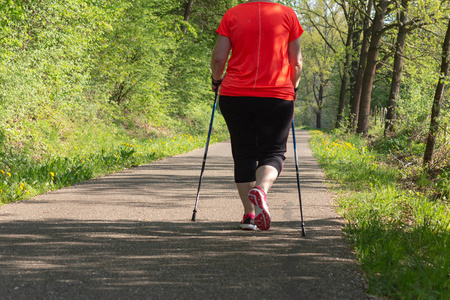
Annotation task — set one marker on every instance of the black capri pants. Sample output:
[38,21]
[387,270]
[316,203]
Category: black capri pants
[259,129]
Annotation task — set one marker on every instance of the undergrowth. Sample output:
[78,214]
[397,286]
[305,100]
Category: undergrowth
[398,225]
[90,153]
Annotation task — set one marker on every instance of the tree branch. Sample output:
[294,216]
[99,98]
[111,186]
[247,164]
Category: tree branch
[335,23]
[321,34]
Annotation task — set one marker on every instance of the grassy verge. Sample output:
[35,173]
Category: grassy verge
[401,235]
[22,176]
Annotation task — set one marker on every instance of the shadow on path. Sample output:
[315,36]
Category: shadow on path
[66,259]
[129,236]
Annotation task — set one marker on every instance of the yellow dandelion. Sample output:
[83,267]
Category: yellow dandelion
[9,174]
[3,172]
[28,192]
[52,174]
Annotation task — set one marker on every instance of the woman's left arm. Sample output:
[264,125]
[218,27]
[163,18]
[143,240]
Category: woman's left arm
[295,61]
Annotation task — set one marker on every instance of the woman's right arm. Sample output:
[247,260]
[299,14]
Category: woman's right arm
[219,58]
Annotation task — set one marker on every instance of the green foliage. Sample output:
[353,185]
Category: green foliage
[65,57]
[79,76]
[401,236]
[421,59]
[323,52]
[401,145]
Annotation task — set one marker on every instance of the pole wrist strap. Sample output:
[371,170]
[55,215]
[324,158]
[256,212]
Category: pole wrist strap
[216,82]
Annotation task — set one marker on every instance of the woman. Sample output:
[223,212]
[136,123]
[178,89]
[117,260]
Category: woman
[257,96]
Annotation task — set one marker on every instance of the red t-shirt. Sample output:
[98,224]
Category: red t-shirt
[259,65]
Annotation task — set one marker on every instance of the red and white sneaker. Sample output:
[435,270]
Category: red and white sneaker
[248,222]
[262,215]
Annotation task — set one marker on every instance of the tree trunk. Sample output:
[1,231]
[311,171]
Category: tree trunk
[398,68]
[435,111]
[319,119]
[356,96]
[319,101]
[187,13]
[354,75]
[369,72]
[344,80]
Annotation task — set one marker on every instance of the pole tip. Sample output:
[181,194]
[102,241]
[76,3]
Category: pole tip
[303,230]
[193,216]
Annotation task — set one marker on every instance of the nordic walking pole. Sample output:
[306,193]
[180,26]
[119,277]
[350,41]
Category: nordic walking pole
[298,178]
[204,156]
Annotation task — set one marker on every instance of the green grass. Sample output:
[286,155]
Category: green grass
[401,236]
[22,176]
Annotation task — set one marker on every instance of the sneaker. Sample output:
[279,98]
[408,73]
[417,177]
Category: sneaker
[248,222]
[262,216]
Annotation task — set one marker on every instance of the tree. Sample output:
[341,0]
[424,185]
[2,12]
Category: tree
[350,14]
[319,86]
[324,25]
[364,19]
[421,15]
[371,65]
[435,110]
[398,66]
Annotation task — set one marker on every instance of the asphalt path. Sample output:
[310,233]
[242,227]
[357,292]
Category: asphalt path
[130,236]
